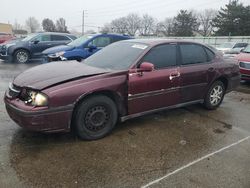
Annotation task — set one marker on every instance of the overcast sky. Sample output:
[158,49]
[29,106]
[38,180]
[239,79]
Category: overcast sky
[98,12]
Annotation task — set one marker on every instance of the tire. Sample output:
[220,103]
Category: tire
[215,95]
[21,56]
[95,117]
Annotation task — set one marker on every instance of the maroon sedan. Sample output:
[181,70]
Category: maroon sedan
[124,80]
[244,63]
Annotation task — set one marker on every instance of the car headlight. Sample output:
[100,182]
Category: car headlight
[58,54]
[37,99]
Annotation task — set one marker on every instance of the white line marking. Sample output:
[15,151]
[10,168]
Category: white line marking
[192,163]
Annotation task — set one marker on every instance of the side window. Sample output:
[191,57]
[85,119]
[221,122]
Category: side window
[192,54]
[59,38]
[210,54]
[101,41]
[116,39]
[43,38]
[161,56]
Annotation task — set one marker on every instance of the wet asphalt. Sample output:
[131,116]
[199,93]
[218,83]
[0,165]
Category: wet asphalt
[137,152]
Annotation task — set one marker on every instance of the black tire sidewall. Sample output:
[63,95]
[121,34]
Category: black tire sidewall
[83,108]
[207,101]
[21,50]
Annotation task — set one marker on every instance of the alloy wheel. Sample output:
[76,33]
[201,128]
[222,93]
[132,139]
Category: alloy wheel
[22,56]
[216,95]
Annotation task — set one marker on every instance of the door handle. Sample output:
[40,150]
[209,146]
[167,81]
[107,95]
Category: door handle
[174,75]
[49,44]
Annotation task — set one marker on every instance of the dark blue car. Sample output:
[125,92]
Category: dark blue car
[22,50]
[82,47]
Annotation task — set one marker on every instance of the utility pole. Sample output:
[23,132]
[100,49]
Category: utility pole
[83,22]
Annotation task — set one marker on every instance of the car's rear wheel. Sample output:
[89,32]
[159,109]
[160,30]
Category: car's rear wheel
[95,117]
[21,56]
[215,95]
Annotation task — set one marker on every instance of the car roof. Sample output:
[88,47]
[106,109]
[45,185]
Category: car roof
[157,41]
[110,34]
[55,33]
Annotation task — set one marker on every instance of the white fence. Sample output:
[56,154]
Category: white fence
[214,41]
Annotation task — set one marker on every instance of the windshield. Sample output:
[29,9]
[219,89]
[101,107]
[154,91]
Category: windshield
[29,37]
[117,56]
[79,41]
[247,49]
[227,45]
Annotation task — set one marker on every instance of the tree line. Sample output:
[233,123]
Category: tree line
[230,20]
[33,25]
[233,19]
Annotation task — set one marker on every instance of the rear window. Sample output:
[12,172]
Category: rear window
[210,54]
[59,38]
[192,54]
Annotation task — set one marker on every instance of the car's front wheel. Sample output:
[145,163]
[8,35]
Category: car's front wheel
[21,56]
[95,117]
[215,95]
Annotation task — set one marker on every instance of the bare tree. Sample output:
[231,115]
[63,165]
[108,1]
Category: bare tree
[48,25]
[17,26]
[32,24]
[147,25]
[133,22]
[165,27]
[119,25]
[106,28]
[205,20]
[61,25]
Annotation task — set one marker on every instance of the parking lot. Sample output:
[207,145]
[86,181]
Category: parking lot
[186,147]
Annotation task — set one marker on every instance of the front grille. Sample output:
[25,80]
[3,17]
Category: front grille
[245,76]
[13,91]
[245,65]
[3,50]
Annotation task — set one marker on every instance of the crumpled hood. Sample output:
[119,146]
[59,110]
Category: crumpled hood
[43,76]
[56,49]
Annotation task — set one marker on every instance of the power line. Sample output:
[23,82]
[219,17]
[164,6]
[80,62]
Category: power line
[119,12]
[202,4]
[146,5]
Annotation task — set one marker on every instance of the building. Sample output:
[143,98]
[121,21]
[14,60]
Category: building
[6,28]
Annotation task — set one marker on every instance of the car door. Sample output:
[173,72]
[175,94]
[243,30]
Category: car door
[40,43]
[98,43]
[196,71]
[156,89]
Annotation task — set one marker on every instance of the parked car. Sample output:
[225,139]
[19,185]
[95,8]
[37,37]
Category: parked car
[232,47]
[21,51]
[82,47]
[4,37]
[125,80]
[244,63]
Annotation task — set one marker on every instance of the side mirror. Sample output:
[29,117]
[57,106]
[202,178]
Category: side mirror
[35,41]
[91,47]
[146,67]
